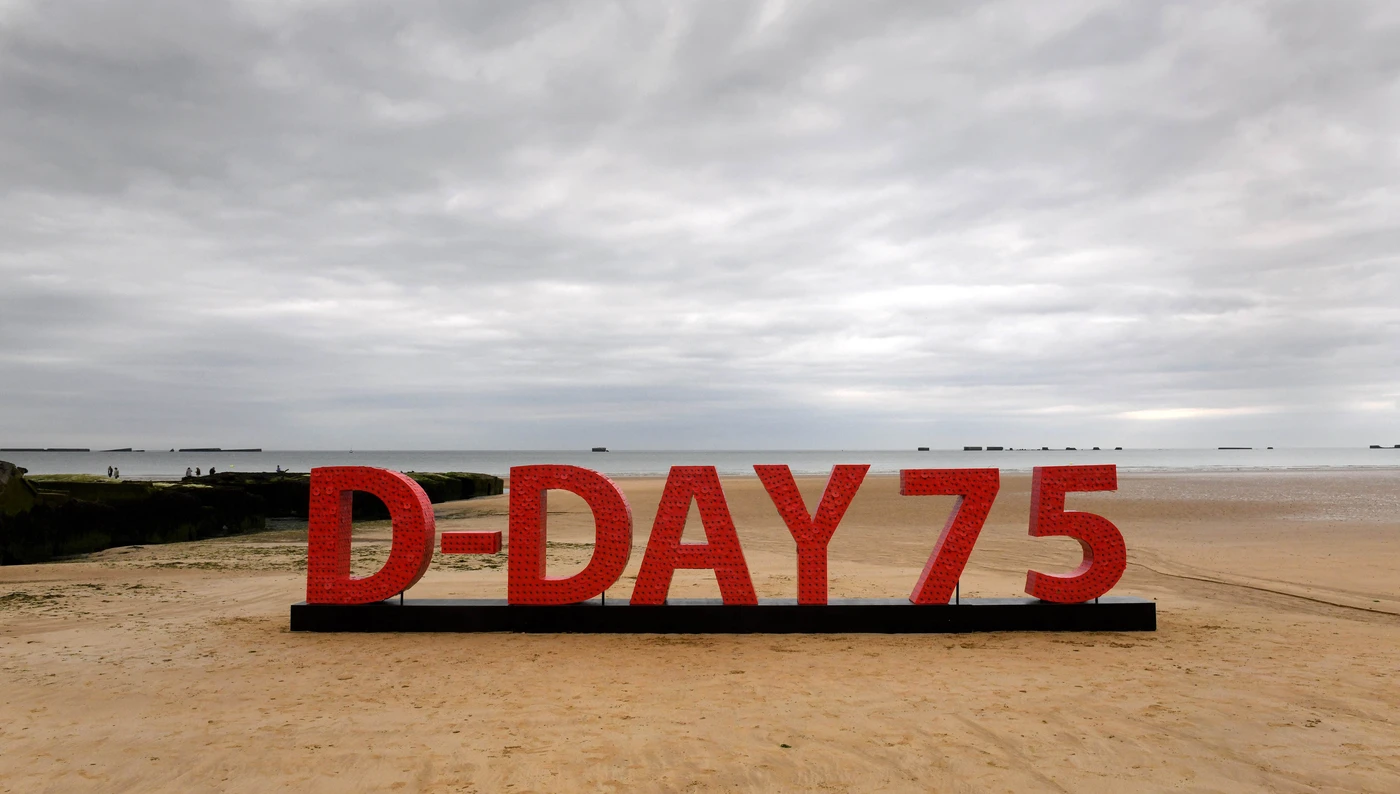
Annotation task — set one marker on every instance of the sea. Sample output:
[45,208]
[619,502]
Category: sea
[163,465]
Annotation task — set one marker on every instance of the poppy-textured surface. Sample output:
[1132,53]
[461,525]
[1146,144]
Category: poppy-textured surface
[470,543]
[1105,554]
[328,579]
[976,489]
[528,582]
[538,603]
[812,532]
[665,551]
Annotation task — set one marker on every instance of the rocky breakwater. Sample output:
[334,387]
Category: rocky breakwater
[56,516]
[51,516]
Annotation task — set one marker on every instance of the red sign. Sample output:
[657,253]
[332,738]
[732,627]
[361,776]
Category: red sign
[328,566]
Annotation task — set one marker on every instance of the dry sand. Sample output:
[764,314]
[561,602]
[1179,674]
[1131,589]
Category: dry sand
[170,668]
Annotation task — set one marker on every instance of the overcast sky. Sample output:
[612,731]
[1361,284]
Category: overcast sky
[699,225]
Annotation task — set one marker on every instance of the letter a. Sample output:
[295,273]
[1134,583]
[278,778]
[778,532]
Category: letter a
[665,551]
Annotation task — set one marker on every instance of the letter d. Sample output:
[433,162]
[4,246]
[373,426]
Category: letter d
[612,521]
[328,579]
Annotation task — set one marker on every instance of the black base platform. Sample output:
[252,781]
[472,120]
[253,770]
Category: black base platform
[710,616]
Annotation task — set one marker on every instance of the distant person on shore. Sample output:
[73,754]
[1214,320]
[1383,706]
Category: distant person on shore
[189,472]
[211,471]
[279,468]
[109,472]
[196,471]
[117,473]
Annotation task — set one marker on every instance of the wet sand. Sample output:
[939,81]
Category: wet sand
[171,669]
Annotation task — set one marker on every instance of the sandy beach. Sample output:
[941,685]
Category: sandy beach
[171,668]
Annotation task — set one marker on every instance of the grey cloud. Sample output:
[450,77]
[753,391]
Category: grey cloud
[696,224]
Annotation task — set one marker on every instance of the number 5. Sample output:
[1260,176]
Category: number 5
[1105,556]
